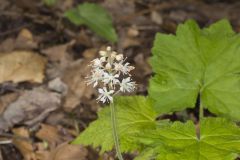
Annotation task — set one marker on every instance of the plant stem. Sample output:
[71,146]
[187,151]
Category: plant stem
[115,132]
[201,109]
[200,116]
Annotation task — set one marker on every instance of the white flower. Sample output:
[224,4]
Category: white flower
[113,54]
[111,74]
[97,63]
[105,95]
[110,78]
[119,57]
[123,68]
[118,67]
[127,85]
[97,75]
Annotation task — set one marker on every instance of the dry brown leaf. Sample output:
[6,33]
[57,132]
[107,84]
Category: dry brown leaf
[90,53]
[156,17]
[64,151]
[25,40]
[42,152]
[30,108]
[58,85]
[24,146]
[129,38]
[83,39]
[63,5]
[43,155]
[59,53]
[55,135]
[142,71]
[7,45]
[5,100]
[142,65]
[131,42]
[19,66]
[50,134]
[123,14]
[54,71]
[74,77]
[133,31]
[57,139]
[27,5]
[69,152]
[55,118]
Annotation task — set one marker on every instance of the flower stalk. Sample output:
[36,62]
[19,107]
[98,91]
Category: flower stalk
[115,131]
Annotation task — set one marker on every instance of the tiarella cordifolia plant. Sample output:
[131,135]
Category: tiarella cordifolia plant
[111,74]
[195,65]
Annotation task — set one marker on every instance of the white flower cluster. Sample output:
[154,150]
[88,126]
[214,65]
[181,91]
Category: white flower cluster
[111,73]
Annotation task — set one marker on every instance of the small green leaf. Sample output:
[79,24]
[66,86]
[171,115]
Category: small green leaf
[134,114]
[195,61]
[219,140]
[95,17]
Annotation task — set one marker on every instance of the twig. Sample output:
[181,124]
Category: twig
[5,142]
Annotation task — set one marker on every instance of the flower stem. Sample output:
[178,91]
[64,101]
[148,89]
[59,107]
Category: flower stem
[115,132]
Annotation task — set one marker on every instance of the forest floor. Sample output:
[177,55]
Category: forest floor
[44,101]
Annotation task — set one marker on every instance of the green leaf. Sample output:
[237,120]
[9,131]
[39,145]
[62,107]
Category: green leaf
[219,140]
[193,62]
[95,17]
[134,114]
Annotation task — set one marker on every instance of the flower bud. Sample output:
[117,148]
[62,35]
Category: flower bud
[108,66]
[108,48]
[103,53]
[97,62]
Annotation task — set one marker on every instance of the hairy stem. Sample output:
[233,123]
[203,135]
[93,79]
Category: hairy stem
[115,132]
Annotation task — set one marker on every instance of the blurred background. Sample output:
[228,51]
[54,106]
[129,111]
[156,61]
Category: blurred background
[45,49]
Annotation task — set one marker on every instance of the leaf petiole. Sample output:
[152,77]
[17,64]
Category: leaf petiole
[201,109]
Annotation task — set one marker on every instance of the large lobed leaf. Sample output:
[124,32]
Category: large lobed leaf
[134,114]
[219,140]
[95,17]
[193,62]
